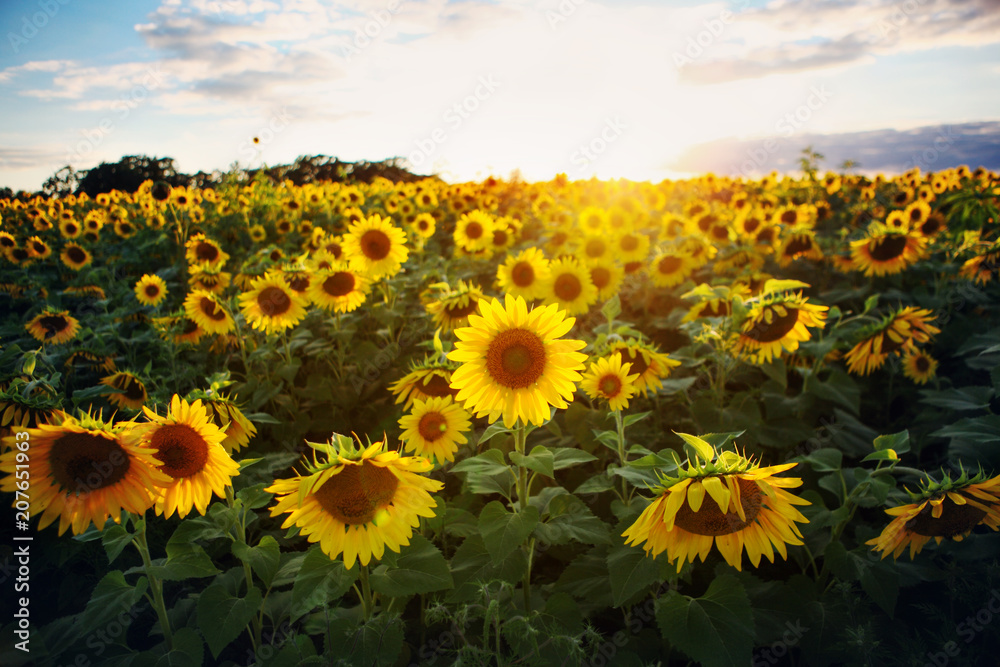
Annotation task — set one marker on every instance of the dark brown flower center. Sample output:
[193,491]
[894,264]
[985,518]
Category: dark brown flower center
[522,274]
[458,311]
[516,358]
[206,252]
[922,364]
[274,301]
[610,386]
[567,287]
[432,426]
[84,462]
[474,230]
[789,217]
[954,520]
[669,264]
[886,248]
[629,243]
[76,254]
[356,494]
[710,520]
[375,244]
[595,248]
[600,276]
[152,290]
[780,325]
[181,449]
[211,309]
[339,284]
[435,385]
[53,324]
[637,359]
[798,245]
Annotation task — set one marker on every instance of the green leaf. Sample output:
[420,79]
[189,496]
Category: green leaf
[716,629]
[504,531]
[115,539]
[825,460]
[882,584]
[720,440]
[634,419]
[596,484]
[775,285]
[964,398]
[839,388]
[255,497]
[111,597]
[870,303]
[319,581]
[188,650]
[540,460]
[898,442]
[882,455]
[471,564]
[612,308]
[419,568]
[263,559]
[701,448]
[489,462]
[492,431]
[630,570]
[376,643]
[564,457]
[222,617]
[570,520]
[184,561]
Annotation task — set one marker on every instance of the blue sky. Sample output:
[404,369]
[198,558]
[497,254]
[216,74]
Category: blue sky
[617,88]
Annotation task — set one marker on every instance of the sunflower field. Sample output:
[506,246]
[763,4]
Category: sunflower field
[716,421]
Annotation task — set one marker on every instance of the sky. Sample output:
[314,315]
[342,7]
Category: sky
[471,88]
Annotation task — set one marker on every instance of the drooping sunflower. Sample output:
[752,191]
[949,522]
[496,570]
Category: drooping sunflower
[451,307]
[670,268]
[187,447]
[151,290]
[895,334]
[524,274]
[204,308]
[178,329]
[940,510]
[358,501]
[723,499]
[375,248]
[608,378]
[778,321]
[515,363]
[25,405]
[53,326]
[224,412]
[885,253]
[646,361]
[83,471]
[919,366]
[340,289]
[271,305]
[982,267]
[131,390]
[435,428]
[426,380]
[84,291]
[201,250]
[75,256]
[607,277]
[569,286]
[208,277]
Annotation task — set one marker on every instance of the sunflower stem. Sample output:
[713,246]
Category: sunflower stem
[622,457]
[241,536]
[520,437]
[367,604]
[155,584]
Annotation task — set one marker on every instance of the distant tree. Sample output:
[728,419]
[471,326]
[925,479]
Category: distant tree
[6,193]
[128,174]
[63,182]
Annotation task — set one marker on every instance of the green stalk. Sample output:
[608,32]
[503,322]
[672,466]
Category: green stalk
[155,584]
[367,603]
[520,437]
[622,457]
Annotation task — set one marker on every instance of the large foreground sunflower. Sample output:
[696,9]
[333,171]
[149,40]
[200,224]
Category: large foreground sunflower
[271,305]
[188,449]
[375,247]
[357,502]
[946,509]
[83,471]
[895,334]
[515,363]
[54,327]
[723,499]
[778,321]
[435,428]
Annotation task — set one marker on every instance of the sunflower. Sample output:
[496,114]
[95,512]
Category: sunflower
[7,241]
[25,404]
[932,226]
[224,413]
[151,290]
[187,447]
[982,267]
[297,278]
[919,366]
[514,363]
[726,500]
[474,231]
[375,247]
[201,250]
[38,248]
[204,309]
[83,471]
[524,274]
[607,277]
[798,243]
[569,286]
[82,291]
[886,253]
[131,390]
[608,378]
[357,502]
[594,249]
[52,326]
[630,246]
[424,225]
[70,228]
[895,334]
[178,329]
[646,361]
[271,305]
[435,428]
[946,509]
[425,380]
[670,268]
[451,307]
[75,256]
[340,289]
[778,321]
